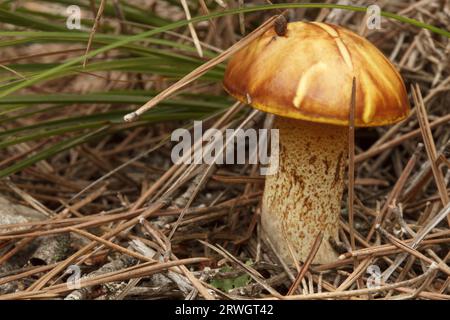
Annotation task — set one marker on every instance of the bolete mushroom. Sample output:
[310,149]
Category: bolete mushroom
[304,76]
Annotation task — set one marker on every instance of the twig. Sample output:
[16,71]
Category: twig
[417,239]
[309,259]
[93,30]
[429,145]
[192,29]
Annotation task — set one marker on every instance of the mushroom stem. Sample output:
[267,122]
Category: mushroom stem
[304,197]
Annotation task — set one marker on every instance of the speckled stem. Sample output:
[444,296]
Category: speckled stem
[304,197]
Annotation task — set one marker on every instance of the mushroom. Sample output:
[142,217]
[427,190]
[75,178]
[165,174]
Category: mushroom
[304,76]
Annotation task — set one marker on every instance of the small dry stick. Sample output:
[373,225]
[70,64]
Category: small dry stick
[192,29]
[308,261]
[121,16]
[164,243]
[241,17]
[400,244]
[210,169]
[93,30]
[39,284]
[417,239]
[399,140]
[13,71]
[351,293]
[395,193]
[280,259]
[142,270]
[359,270]
[351,165]
[429,145]
[205,11]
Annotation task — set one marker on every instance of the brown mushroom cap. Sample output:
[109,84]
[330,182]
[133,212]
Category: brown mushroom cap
[307,74]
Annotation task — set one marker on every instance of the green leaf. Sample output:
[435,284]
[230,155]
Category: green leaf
[227,284]
[49,73]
